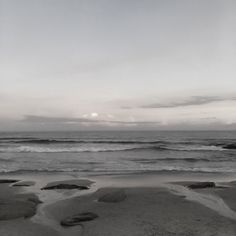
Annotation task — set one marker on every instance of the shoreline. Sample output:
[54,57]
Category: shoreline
[141,204]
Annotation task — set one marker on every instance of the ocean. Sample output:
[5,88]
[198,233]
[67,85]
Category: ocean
[118,152]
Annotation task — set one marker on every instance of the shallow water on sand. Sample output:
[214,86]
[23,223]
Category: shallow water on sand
[207,199]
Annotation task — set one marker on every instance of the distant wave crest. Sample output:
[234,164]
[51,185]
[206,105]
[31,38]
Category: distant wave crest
[90,144]
[121,171]
[73,141]
[38,149]
[75,149]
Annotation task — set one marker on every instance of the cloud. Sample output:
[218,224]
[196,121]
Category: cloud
[44,123]
[46,119]
[65,120]
[191,101]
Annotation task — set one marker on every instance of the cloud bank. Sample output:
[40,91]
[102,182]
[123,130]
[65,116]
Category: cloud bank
[191,101]
[64,120]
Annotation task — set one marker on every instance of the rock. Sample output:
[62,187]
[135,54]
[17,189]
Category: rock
[78,218]
[81,184]
[230,146]
[112,197]
[65,186]
[8,181]
[24,184]
[202,185]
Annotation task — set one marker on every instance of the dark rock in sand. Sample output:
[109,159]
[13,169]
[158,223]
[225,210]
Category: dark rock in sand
[112,197]
[77,219]
[8,181]
[24,184]
[80,184]
[230,146]
[202,185]
[65,186]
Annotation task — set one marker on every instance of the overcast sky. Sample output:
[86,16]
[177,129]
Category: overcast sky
[98,64]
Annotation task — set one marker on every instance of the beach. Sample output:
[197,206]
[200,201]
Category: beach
[116,205]
[117,183]
[117,118]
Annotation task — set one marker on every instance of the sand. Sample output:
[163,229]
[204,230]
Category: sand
[163,210]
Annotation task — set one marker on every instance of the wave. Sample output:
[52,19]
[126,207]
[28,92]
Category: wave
[118,148]
[194,148]
[230,146]
[6,160]
[168,169]
[35,149]
[53,141]
[171,159]
[180,145]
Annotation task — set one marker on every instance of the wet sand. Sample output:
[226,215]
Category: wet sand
[16,210]
[138,207]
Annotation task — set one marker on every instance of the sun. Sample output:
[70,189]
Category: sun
[94,114]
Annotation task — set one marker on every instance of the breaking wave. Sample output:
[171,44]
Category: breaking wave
[37,149]
[113,148]
[122,171]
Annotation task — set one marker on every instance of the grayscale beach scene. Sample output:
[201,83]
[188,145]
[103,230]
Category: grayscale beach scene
[117,118]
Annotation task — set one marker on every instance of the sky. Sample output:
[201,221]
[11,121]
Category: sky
[117,64]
